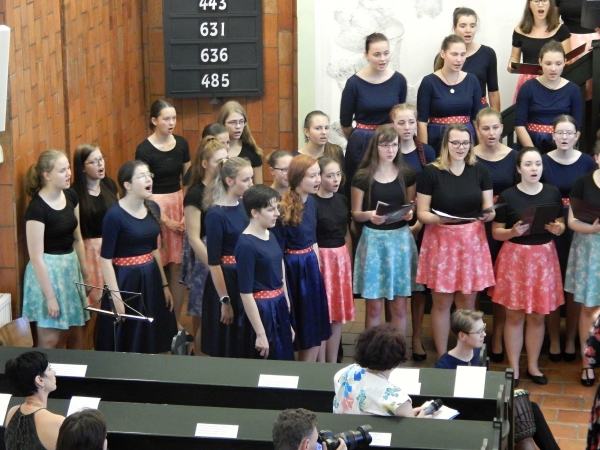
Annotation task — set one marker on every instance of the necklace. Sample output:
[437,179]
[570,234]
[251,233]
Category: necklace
[385,176]
[448,83]
[95,190]
[30,403]
[548,87]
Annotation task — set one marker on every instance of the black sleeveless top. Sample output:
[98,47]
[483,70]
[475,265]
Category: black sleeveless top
[21,434]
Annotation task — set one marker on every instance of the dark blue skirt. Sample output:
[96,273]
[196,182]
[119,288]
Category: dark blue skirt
[133,335]
[435,134]
[563,245]
[276,321]
[355,150]
[542,141]
[309,300]
[219,339]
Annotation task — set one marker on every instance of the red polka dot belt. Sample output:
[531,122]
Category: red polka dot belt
[133,260]
[449,120]
[484,100]
[362,126]
[539,128]
[289,251]
[262,295]
[228,259]
[566,202]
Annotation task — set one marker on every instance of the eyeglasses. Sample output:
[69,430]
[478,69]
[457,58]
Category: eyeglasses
[540,2]
[393,146]
[565,133]
[478,331]
[235,123]
[283,171]
[457,144]
[143,176]
[96,162]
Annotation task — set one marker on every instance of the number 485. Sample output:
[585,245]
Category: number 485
[213,80]
[212,4]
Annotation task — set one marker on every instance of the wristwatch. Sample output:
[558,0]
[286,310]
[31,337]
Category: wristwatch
[225,300]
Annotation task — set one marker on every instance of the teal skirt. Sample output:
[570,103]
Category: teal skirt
[64,272]
[583,269]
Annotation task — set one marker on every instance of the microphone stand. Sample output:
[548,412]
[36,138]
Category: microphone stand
[107,295]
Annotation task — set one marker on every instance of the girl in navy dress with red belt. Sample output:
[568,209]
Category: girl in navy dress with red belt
[538,26]
[455,260]
[194,266]
[225,221]
[168,157]
[528,282]
[501,162]
[367,98]
[416,155]
[335,245]
[543,99]
[265,320]
[562,167]
[448,95]
[131,262]
[297,235]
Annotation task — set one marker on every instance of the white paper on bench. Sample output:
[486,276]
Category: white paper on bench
[381,439]
[217,430]
[278,381]
[78,403]
[407,380]
[4,399]
[470,382]
[69,370]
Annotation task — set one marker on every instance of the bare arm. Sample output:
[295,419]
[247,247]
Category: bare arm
[515,56]
[424,213]
[216,274]
[165,284]
[487,200]
[80,250]
[501,233]
[422,132]
[192,217]
[358,214]
[523,137]
[34,231]
[110,278]
[494,98]
[257,177]
[582,227]
[262,343]
[566,45]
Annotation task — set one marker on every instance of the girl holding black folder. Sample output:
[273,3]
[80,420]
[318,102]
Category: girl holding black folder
[528,281]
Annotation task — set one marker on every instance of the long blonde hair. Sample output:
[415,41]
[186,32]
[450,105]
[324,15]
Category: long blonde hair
[217,189]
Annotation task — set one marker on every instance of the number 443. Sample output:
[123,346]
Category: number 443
[215,81]
[212,4]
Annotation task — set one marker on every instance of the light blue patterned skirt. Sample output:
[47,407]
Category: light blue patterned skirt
[193,275]
[385,264]
[64,272]
[583,270]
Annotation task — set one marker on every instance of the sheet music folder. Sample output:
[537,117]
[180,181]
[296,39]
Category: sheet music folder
[584,211]
[536,69]
[537,217]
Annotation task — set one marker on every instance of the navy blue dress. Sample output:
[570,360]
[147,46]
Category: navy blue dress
[434,100]
[304,280]
[413,160]
[484,65]
[536,104]
[260,268]
[224,225]
[564,177]
[122,236]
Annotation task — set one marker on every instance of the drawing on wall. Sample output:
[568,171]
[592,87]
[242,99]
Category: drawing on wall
[430,8]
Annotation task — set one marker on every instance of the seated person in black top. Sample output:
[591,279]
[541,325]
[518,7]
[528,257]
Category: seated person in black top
[296,429]
[469,329]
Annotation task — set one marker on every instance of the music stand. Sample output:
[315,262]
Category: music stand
[107,294]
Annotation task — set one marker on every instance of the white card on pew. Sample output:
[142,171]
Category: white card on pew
[278,381]
[4,399]
[381,439]
[69,370]
[407,380]
[470,382]
[78,403]
[217,430]
[444,413]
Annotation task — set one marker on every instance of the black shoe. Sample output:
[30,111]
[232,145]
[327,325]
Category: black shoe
[418,357]
[515,383]
[587,382]
[555,357]
[538,379]
[569,357]
[497,357]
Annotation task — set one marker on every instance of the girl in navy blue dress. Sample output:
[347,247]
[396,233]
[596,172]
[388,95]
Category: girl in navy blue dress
[562,167]
[265,320]
[131,262]
[416,155]
[367,98]
[501,162]
[297,235]
[448,95]
[225,221]
[544,98]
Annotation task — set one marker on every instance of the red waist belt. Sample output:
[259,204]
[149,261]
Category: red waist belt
[133,260]
[484,100]
[298,252]
[449,120]
[229,259]
[362,126]
[566,202]
[496,198]
[262,295]
[539,128]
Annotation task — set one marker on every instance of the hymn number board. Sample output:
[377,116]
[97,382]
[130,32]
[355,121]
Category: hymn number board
[213,48]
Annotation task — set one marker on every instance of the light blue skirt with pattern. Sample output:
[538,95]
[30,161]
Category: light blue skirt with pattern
[64,272]
[583,269]
[193,274]
[385,264]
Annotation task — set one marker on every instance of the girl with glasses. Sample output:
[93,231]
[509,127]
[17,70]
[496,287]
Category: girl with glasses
[279,162]
[528,281]
[455,261]
[316,135]
[96,193]
[538,26]
[241,143]
[386,256]
[131,262]
[562,167]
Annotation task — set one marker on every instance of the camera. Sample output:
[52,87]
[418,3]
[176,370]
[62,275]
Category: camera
[358,439]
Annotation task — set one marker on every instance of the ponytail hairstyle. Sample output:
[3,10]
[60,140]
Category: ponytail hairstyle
[217,189]
[292,206]
[365,174]
[207,148]
[35,174]
[234,107]
[443,161]
[418,143]
[526,23]
[86,207]
[273,158]
[374,38]
[125,175]
[156,109]
[214,129]
[446,43]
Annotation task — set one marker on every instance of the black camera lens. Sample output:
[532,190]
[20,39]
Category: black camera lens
[359,439]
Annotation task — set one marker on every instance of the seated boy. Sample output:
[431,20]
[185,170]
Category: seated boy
[469,329]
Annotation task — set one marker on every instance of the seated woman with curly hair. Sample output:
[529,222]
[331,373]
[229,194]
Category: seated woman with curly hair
[364,387]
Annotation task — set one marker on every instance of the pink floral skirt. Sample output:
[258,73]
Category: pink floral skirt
[92,264]
[455,258]
[528,278]
[337,275]
[523,78]
[171,243]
